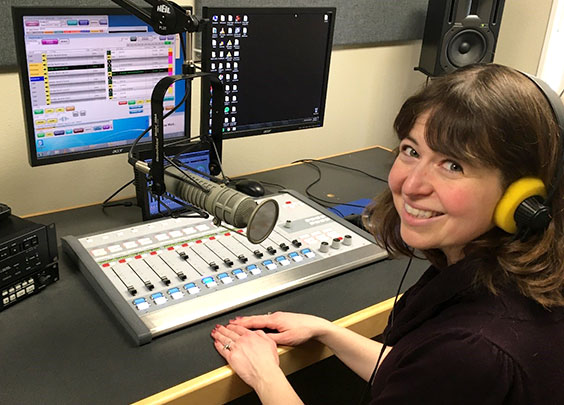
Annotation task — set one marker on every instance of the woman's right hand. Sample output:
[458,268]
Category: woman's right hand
[293,329]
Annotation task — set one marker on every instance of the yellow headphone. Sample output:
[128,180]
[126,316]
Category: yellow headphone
[525,207]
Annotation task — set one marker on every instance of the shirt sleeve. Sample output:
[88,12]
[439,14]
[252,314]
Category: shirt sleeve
[449,368]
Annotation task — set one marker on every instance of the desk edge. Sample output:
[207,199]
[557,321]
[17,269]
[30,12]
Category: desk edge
[222,385]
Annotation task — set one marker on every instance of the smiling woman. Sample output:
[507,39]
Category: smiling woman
[489,121]
[442,204]
[484,324]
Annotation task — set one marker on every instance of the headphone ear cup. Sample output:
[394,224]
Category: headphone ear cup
[514,196]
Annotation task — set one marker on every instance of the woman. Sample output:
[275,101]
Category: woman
[485,323]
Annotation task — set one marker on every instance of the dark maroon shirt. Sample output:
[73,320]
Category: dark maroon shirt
[456,343]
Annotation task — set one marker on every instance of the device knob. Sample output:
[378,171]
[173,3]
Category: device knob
[288,224]
[347,240]
[336,243]
[324,248]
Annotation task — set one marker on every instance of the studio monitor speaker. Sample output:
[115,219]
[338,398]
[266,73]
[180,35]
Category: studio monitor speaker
[459,33]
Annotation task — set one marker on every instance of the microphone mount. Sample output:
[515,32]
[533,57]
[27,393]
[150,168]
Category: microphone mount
[166,17]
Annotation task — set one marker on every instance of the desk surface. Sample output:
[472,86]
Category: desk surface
[64,346]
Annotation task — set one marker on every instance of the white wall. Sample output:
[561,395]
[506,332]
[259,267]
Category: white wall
[366,88]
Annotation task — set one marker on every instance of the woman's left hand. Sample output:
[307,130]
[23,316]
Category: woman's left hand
[251,354]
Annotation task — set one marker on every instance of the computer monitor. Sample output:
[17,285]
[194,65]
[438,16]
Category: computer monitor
[86,78]
[274,64]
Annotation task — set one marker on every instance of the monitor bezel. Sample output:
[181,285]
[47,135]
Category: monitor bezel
[18,13]
[207,12]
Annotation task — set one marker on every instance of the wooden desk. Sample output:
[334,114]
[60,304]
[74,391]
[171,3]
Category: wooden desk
[63,345]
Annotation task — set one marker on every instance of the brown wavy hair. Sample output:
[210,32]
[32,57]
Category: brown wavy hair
[490,115]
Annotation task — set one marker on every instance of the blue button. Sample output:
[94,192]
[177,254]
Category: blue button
[280,258]
[173,290]
[156,295]
[138,301]
[189,285]
[293,254]
[237,271]
[267,262]
[222,275]
[251,267]
[306,251]
[207,280]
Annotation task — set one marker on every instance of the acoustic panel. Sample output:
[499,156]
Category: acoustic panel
[359,22]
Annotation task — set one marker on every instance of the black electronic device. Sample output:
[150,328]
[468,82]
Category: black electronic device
[5,211]
[86,78]
[459,33]
[195,155]
[28,259]
[274,64]
[250,187]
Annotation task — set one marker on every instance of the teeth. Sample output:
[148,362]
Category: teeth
[420,213]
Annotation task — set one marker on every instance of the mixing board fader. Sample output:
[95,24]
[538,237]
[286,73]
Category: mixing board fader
[162,275]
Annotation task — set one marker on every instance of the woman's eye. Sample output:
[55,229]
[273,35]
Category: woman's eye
[409,151]
[453,166]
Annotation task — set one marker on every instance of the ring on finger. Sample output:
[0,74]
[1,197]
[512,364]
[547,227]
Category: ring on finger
[227,346]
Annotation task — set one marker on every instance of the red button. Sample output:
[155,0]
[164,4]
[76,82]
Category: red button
[138,257]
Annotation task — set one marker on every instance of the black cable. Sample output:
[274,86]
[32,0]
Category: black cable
[342,167]
[106,203]
[370,381]
[319,200]
[134,144]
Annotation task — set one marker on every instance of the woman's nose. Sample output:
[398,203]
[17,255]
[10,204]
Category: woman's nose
[418,181]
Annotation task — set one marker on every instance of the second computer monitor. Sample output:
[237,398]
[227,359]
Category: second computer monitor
[274,64]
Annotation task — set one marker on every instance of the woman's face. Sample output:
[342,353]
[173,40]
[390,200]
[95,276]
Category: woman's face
[443,204]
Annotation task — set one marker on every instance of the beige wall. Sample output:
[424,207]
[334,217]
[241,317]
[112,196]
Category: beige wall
[366,88]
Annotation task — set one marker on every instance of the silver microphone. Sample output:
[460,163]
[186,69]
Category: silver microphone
[224,203]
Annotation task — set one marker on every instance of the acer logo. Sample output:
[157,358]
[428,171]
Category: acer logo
[267,131]
[163,8]
[117,150]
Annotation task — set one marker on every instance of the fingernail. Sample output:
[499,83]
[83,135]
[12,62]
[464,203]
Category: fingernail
[217,326]
[238,317]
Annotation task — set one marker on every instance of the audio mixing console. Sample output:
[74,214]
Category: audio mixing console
[165,274]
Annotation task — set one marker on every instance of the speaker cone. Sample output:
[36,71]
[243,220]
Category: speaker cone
[466,47]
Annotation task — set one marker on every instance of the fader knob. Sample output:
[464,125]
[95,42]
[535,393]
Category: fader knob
[347,240]
[324,248]
[288,224]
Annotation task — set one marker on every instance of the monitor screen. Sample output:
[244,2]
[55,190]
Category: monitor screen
[86,77]
[195,156]
[274,64]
